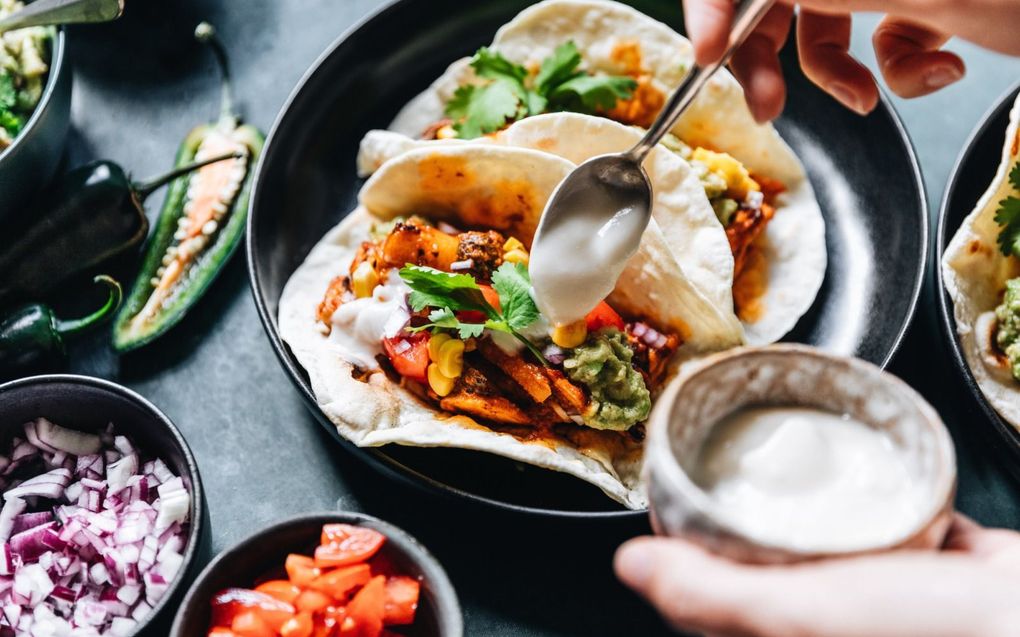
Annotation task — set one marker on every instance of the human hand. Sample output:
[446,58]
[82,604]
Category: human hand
[969,589]
[907,44]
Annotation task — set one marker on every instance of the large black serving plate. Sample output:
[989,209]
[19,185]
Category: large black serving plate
[863,171]
[969,180]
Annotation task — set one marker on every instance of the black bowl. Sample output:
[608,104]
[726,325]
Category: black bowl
[438,615]
[973,172]
[30,161]
[863,170]
[89,404]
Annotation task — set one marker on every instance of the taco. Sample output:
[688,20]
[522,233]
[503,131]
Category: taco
[981,271]
[414,320]
[605,59]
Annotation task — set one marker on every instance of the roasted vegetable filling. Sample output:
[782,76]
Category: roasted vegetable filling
[1007,335]
[472,340]
[24,65]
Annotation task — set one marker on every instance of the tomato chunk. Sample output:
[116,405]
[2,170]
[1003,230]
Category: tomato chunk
[345,544]
[409,355]
[312,601]
[299,625]
[401,600]
[603,316]
[366,610]
[232,602]
[474,316]
[281,589]
[301,569]
[340,583]
[251,624]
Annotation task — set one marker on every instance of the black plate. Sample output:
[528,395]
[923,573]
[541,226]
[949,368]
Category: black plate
[863,170]
[969,180]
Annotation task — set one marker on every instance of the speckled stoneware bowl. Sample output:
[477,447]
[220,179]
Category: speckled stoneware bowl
[30,161]
[788,375]
[263,554]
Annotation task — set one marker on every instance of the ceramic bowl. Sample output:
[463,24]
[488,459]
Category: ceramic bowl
[262,553]
[89,404]
[789,375]
[28,163]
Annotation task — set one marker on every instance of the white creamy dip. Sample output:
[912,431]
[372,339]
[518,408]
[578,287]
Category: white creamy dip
[808,479]
[360,325]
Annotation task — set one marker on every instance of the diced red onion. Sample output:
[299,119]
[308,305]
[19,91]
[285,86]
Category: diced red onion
[754,200]
[554,354]
[66,440]
[648,335]
[402,346]
[447,228]
[458,266]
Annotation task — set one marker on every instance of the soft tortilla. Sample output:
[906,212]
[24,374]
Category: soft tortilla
[488,186]
[794,242]
[975,273]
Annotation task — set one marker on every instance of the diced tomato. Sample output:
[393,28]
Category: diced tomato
[409,354]
[301,569]
[281,589]
[334,617]
[251,624]
[231,602]
[312,601]
[366,610]
[401,600]
[340,583]
[603,316]
[474,316]
[382,565]
[299,625]
[345,544]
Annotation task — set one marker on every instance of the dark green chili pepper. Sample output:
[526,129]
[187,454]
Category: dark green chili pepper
[200,225]
[32,337]
[92,214]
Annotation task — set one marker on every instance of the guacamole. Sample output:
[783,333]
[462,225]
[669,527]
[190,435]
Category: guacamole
[619,397]
[24,65]
[1008,335]
[712,180]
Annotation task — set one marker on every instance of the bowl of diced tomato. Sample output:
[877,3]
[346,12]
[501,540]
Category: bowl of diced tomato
[323,575]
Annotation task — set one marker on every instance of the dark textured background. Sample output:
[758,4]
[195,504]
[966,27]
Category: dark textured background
[141,84]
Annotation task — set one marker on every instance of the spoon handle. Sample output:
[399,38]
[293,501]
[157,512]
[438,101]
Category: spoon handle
[747,16]
[46,12]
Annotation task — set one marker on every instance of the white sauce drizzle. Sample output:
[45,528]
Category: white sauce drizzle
[359,326]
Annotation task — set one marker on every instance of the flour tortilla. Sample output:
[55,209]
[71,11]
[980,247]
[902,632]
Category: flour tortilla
[975,273]
[502,188]
[794,242]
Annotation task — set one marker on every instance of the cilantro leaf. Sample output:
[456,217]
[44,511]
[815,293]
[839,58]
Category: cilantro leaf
[11,122]
[559,68]
[492,65]
[1008,216]
[513,285]
[8,93]
[445,318]
[434,288]
[479,110]
[591,93]
[1014,177]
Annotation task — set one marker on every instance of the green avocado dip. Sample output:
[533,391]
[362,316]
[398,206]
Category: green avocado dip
[24,65]
[1008,318]
[619,397]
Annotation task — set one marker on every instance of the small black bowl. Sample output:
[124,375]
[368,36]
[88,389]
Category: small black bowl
[438,614]
[90,404]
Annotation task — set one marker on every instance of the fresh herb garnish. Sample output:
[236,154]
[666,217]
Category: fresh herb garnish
[560,85]
[1008,216]
[450,293]
[9,120]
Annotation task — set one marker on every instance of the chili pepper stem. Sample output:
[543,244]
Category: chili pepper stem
[206,34]
[147,187]
[76,326]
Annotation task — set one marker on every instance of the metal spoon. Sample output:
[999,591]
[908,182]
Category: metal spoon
[47,12]
[612,196]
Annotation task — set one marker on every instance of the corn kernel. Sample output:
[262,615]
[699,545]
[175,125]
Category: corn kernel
[738,180]
[440,383]
[512,244]
[446,132]
[451,358]
[435,343]
[364,280]
[516,256]
[570,335]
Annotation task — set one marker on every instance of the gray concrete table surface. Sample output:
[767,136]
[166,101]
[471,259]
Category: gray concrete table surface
[140,85]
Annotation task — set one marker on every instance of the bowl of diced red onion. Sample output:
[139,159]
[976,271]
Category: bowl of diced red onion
[101,509]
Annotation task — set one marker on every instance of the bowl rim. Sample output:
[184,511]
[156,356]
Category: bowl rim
[58,59]
[197,495]
[438,580]
[376,456]
[659,451]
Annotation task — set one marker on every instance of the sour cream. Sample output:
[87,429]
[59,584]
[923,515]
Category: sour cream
[359,326]
[810,479]
[581,249]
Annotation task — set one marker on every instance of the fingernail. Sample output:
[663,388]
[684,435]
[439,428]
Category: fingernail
[942,76]
[846,97]
[634,564]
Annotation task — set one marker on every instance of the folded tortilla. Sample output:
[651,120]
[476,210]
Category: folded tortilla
[975,272]
[616,39]
[505,189]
